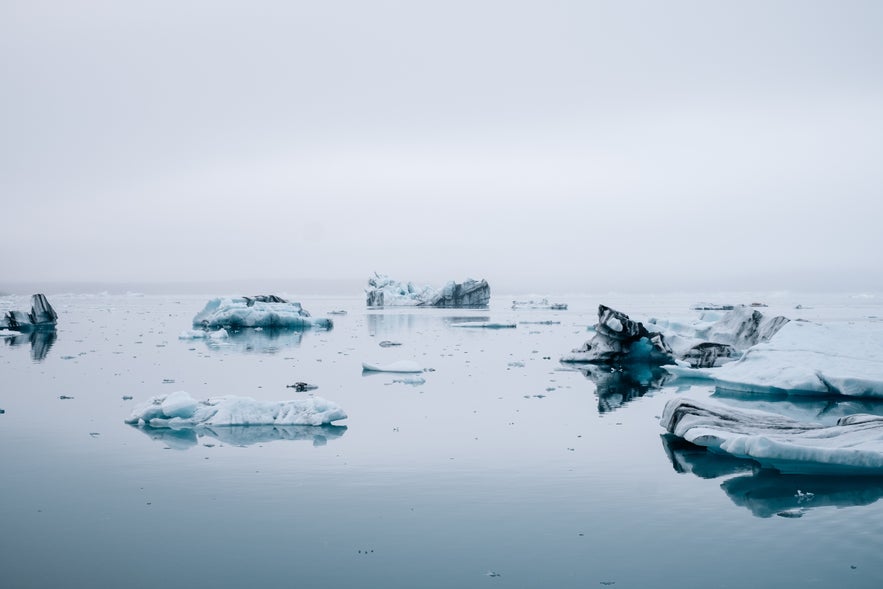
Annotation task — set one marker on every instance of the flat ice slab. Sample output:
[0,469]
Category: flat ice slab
[405,366]
[852,447]
[805,358]
[262,311]
[180,410]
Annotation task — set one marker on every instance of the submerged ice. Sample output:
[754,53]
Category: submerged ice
[259,311]
[180,410]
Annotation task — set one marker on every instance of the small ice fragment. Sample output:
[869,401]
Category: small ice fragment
[400,366]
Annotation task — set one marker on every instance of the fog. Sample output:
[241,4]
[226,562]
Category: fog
[544,146]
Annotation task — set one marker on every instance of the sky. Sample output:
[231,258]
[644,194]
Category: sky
[546,146]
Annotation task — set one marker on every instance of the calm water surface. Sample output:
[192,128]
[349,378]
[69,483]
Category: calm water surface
[504,469]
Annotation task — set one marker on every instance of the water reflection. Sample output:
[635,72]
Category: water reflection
[397,322]
[263,341]
[41,341]
[242,435]
[617,386]
[765,492]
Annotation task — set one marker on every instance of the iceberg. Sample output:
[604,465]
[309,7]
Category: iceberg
[854,446]
[620,341]
[399,366]
[383,291]
[805,358]
[41,316]
[259,311]
[179,410]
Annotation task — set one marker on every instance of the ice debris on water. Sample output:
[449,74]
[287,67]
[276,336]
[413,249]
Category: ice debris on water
[301,387]
[388,344]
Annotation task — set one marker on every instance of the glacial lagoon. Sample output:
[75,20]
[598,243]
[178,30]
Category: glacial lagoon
[499,467]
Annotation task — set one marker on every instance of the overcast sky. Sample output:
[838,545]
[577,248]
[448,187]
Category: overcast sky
[545,146]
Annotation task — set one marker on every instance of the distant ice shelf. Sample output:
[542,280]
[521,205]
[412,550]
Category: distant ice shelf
[852,447]
[259,311]
[179,410]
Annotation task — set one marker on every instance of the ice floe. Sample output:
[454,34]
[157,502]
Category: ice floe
[383,291]
[854,446]
[399,366]
[180,410]
[260,311]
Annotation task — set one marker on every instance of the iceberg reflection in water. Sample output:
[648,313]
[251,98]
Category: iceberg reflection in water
[261,340]
[41,341]
[242,435]
[765,492]
[616,386]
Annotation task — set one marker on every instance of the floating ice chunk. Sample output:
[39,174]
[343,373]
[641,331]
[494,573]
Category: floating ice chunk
[852,447]
[179,410]
[386,292]
[400,366]
[484,325]
[806,359]
[259,311]
[203,334]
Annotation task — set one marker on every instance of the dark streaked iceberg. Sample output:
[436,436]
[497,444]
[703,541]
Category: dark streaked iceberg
[386,292]
[41,316]
[258,311]
[854,446]
[620,341]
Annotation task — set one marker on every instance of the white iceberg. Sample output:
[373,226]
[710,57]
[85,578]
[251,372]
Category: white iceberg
[805,358]
[852,447]
[180,410]
[383,291]
[260,311]
[399,366]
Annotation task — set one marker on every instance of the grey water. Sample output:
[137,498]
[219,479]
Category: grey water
[504,468]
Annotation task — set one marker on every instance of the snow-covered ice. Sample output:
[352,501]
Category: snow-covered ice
[180,410]
[262,311]
[852,447]
[399,366]
[805,358]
